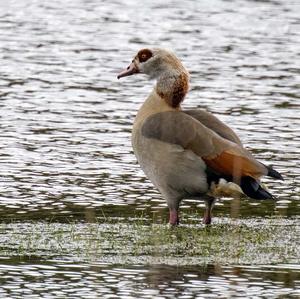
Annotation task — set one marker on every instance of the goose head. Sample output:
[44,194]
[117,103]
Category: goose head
[172,77]
[154,63]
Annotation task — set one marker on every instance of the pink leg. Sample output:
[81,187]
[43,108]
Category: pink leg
[174,217]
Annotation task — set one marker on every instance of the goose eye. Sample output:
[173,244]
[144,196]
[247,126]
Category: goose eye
[144,55]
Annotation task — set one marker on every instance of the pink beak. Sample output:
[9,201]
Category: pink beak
[131,69]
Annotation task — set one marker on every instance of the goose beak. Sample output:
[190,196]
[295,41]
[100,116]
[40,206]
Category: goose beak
[131,69]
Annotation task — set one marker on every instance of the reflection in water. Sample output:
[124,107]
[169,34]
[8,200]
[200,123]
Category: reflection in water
[65,122]
[61,279]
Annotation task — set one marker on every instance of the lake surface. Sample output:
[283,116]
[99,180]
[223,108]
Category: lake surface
[66,157]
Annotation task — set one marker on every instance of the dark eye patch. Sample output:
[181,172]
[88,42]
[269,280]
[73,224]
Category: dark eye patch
[144,55]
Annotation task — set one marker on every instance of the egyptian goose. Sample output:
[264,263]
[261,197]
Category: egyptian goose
[185,152]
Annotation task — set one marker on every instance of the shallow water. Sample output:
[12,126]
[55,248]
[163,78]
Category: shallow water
[65,121]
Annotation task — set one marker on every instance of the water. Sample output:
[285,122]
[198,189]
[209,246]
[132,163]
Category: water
[65,122]
[57,279]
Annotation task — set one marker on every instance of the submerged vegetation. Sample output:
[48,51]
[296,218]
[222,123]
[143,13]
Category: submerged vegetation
[270,241]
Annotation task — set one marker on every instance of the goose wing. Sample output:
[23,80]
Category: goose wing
[223,156]
[213,123]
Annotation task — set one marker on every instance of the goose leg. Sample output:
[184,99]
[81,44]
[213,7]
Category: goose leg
[209,204]
[174,217]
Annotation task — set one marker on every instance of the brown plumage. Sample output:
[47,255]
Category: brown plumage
[185,153]
[175,95]
[144,55]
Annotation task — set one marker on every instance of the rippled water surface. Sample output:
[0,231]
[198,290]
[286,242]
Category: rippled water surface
[65,151]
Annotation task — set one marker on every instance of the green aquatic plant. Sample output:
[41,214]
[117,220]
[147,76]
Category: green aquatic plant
[137,241]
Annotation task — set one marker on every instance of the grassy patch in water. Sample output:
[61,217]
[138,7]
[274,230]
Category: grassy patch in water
[227,242]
